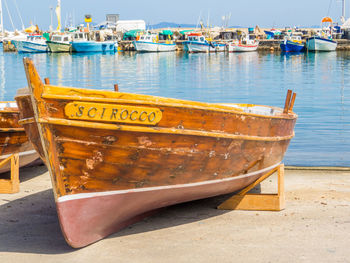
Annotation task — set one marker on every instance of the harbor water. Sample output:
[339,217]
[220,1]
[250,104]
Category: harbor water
[321,81]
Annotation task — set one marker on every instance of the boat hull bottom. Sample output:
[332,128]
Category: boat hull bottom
[87,218]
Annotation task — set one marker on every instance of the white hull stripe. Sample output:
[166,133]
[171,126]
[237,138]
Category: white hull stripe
[146,189]
[20,154]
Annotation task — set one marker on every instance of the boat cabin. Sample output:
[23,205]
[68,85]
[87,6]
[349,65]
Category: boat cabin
[81,36]
[148,37]
[60,38]
[196,37]
[35,38]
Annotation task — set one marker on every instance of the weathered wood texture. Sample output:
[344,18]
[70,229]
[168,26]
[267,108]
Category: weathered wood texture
[91,158]
[113,156]
[13,139]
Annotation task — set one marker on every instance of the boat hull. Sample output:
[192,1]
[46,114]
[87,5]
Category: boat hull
[320,44]
[110,165]
[193,47]
[13,139]
[241,48]
[116,209]
[93,46]
[30,47]
[141,46]
[290,46]
[58,47]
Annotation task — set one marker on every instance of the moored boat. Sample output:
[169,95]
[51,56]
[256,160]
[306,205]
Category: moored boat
[323,40]
[318,43]
[292,43]
[149,42]
[114,156]
[60,43]
[33,44]
[245,44]
[196,42]
[86,42]
[13,138]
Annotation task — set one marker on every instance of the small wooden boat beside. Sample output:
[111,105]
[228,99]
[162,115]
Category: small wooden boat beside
[13,138]
[115,156]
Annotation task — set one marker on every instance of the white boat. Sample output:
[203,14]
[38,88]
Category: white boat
[149,42]
[33,44]
[10,38]
[197,43]
[317,43]
[323,40]
[243,45]
[60,43]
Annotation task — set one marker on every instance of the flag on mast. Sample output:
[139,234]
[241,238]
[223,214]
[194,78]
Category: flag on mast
[58,13]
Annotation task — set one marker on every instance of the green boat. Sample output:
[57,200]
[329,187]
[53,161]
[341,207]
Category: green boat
[60,43]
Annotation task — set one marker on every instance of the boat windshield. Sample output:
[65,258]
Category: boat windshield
[56,38]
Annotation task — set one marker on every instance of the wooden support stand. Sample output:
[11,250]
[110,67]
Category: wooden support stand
[258,202]
[10,186]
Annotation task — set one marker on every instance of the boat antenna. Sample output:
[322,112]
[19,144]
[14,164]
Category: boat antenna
[343,12]
[13,26]
[199,19]
[329,7]
[1,20]
[19,14]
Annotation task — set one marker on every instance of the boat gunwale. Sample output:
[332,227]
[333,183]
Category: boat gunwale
[153,100]
[11,130]
[175,131]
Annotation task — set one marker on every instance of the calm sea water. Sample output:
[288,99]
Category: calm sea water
[321,81]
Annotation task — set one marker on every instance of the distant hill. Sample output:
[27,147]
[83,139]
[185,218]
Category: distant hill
[176,25]
[171,25]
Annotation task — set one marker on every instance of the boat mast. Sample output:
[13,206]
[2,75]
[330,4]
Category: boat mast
[1,20]
[343,12]
[58,13]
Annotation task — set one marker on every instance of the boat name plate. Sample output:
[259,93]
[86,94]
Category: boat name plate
[113,113]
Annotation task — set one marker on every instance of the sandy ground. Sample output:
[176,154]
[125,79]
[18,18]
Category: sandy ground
[314,227]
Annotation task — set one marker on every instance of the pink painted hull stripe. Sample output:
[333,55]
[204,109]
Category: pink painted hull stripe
[146,189]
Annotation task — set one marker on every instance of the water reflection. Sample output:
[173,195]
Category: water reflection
[321,81]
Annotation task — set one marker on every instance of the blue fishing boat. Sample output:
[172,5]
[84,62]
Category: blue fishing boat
[197,43]
[292,43]
[82,42]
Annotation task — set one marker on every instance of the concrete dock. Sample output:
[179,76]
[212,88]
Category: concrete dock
[314,227]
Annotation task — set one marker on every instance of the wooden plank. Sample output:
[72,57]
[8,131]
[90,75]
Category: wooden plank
[258,202]
[292,102]
[10,186]
[287,102]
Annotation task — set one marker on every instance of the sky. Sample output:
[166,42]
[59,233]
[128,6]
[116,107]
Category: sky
[246,13]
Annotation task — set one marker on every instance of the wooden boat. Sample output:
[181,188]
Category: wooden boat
[13,138]
[114,156]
